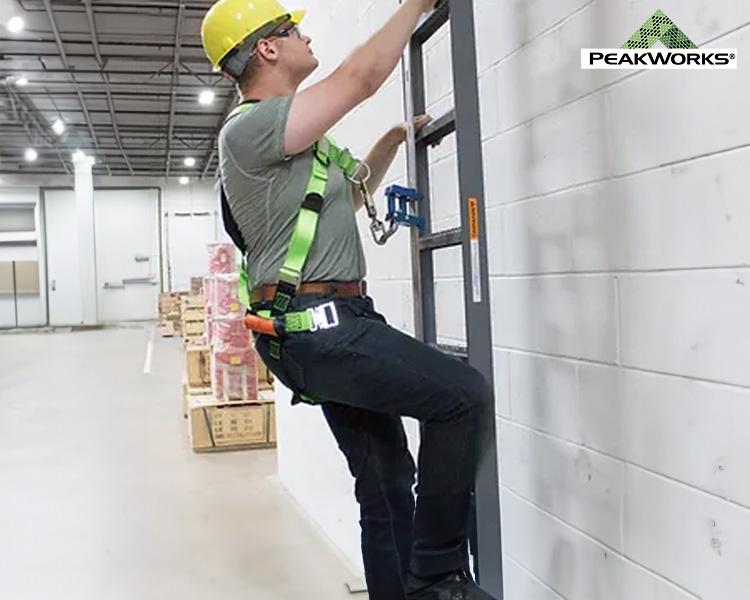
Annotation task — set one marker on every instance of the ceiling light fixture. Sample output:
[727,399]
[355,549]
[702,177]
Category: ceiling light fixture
[206,97]
[58,127]
[189,162]
[15,24]
[22,81]
[30,155]
[184,180]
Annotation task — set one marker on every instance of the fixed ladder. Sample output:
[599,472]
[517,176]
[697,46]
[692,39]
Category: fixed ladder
[471,237]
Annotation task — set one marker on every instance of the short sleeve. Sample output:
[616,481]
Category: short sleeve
[255,138]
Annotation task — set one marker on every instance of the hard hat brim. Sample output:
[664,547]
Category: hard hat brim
[296,16]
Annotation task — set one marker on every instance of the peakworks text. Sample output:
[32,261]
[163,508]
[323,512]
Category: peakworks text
[662,58]
[594,58]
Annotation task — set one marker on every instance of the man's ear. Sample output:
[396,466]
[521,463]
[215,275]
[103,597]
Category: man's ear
[267,50]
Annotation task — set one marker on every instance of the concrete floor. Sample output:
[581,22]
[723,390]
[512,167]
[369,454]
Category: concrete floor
[101,496]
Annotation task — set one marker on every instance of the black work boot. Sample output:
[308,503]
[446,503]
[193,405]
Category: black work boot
[458,585]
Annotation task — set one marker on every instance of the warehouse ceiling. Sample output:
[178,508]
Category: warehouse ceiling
[123,76]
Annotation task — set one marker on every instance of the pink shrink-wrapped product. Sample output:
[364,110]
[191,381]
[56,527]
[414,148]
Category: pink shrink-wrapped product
[206,291]
[230,332]
[221,258]
[225,300]
[209,325]
[234,374]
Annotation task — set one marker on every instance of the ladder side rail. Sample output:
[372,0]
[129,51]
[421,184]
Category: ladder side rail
[477,307]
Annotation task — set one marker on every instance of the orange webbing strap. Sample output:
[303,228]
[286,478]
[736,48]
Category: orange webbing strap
[260,325]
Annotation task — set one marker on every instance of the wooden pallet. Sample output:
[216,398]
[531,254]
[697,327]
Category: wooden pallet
[217,427]
[237,448]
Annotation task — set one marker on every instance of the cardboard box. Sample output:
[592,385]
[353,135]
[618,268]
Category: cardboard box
[198,366]
[271,423]
[194,342]
[193,314]
[196,286]
[166,328]
[188,392]
[193,328]
[193,302]
[169,302]
[214,427]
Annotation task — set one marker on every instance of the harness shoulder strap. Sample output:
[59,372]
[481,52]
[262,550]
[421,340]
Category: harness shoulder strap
[343,159]
[303,237]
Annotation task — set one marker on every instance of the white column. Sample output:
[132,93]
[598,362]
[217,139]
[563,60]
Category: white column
[84,191]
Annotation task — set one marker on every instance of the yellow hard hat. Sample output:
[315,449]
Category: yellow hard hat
[230,22]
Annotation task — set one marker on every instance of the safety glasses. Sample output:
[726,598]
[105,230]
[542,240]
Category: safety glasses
[286,31]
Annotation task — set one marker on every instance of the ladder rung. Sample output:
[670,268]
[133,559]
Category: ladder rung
[435,21]
[443,239]
[459,352]
[436,130]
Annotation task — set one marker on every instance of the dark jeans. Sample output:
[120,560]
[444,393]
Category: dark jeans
[367,375]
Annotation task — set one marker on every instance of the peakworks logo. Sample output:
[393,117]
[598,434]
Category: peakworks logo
[680,53]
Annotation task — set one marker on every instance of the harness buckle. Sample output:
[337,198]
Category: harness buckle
[324,316]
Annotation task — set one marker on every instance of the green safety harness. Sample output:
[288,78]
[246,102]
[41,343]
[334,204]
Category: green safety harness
[325,153]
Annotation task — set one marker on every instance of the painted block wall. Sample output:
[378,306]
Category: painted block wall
[618,224]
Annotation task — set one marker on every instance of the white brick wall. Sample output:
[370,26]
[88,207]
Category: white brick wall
[619,235]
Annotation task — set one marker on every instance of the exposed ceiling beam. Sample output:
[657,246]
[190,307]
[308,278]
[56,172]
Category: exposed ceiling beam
[105,78]
[155,5]
[63,58]
[124,111]
[31,54]
[32,117]
[150,43]
[175,83]
[67,70]
[151,85]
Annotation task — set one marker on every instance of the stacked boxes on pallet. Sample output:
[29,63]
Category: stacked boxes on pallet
[193,319]
[234,414]
[215,427]
[170,313]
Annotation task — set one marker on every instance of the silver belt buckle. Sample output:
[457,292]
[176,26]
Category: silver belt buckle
[324,317]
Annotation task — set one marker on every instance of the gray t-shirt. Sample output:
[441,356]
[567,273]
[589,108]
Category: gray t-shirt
[265,190]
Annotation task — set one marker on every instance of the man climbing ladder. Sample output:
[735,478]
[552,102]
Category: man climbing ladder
[290,196]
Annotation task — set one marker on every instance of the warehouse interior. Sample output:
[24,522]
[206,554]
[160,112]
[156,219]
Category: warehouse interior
[607,304]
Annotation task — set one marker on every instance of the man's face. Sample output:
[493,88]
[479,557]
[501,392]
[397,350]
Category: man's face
[294,51]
